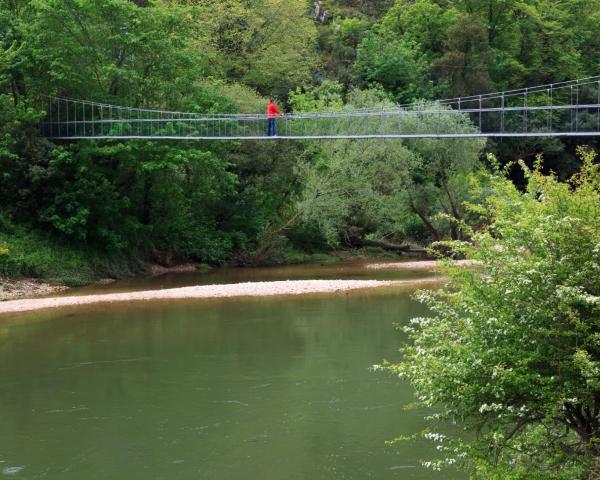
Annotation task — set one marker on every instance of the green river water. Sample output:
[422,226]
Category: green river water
[268,389]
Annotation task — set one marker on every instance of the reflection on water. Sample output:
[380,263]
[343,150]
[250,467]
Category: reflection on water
[230,389]
[348,270]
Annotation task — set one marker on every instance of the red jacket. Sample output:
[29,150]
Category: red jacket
[272,110]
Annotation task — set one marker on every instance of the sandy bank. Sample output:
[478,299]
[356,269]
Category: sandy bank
[11,289]
[254,289]
[421,265]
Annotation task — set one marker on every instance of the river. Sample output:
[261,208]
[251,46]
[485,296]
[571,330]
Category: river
[259,388]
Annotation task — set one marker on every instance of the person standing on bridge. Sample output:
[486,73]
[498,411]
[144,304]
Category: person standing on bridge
[272,113]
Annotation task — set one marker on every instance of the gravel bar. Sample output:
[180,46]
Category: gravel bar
[253,289]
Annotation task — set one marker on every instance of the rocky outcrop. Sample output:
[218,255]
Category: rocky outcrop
[320,14]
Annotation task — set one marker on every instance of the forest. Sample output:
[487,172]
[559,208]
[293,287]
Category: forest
[73,212]
[511,349]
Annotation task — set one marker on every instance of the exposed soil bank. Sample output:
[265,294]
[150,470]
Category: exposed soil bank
[156,269]
[422,265]
[253,289]
[11,289]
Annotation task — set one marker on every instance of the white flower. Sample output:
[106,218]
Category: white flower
[492,407]
[436,437]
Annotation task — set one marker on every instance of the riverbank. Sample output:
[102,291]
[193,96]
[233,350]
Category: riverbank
[29,257]
[34,263]
[421,265]
[11,289]
[250,289]
[191,275]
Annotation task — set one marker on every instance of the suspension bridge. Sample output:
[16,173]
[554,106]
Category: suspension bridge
[570,108]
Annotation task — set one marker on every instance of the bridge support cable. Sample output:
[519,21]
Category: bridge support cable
[558,109]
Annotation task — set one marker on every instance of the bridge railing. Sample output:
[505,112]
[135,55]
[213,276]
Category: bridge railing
[568,108]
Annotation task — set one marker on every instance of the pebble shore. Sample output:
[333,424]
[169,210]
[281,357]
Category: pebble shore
[252,289]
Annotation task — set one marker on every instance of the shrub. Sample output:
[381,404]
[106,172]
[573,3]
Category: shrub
[512,348]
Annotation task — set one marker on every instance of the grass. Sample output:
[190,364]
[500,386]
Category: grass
[29,253]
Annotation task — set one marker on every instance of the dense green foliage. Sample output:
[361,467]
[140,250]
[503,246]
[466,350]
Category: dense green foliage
[161,201]
[425,48]
[252,202]
[38,254]
[465,47]
[388,189]
[512,349]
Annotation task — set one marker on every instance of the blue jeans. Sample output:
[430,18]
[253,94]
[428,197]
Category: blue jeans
[272,128]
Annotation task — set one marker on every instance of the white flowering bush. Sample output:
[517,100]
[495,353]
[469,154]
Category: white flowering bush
[511,350]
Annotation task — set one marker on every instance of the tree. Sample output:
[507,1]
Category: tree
[338,48]
[269,45]
[374,8]
[438,185]
[396,64]
[465,62]
[425,22]
[511,350]
[384,189]
[350,191]
[115,50]
[325,97]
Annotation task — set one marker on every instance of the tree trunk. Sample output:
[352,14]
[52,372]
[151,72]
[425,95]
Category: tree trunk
[432,230]
[267,241]
[392,247]
[456,234]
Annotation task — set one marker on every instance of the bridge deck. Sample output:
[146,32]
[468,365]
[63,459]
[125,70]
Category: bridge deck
[565,109]
[337,137]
